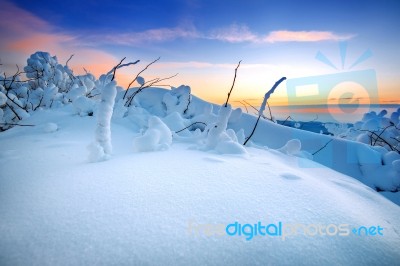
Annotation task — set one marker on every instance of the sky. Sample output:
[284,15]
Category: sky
[203,41]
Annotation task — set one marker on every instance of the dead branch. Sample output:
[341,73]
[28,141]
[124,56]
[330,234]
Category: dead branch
[323,147]
[265,101]
[115,69]
[40,102]
[190,126]
[270,113]
[287,118]
[381,139]
[254,109]
[147,84]
[380,134]
[120,65]
[66,63]
[12,124]
[244,105]
[12,109]
[189,101]
[233,84]
[252,132]
[140,72]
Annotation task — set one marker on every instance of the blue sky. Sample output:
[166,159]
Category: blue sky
[204,40]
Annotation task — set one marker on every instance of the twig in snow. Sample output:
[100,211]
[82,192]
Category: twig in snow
[66,63]
[120,65]
[260,112]
[252,132]
[233,84]
[323,147]
[12,124]
[190,126]
[140,72]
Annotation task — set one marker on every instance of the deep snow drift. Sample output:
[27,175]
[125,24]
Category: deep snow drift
[167,205]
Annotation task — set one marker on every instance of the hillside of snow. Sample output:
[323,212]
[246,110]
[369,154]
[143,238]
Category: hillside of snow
[92,174]
[171,205]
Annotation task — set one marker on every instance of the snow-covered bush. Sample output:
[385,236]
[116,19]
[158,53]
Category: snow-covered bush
[42,69]
[178,100]
[84,106]
[374,129]
[382,133]
[47,84]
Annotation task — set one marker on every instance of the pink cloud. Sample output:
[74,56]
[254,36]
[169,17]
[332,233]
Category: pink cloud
[241,33]
[26,34]
[304,36]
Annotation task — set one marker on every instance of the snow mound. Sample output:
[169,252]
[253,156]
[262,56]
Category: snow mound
[219,138]
[169,207]
[50,127]
[292,147]
[157,137]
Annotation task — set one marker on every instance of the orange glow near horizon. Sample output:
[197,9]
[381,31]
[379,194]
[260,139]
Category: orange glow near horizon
[216,91]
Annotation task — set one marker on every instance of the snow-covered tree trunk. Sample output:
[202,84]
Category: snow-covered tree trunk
[102,148]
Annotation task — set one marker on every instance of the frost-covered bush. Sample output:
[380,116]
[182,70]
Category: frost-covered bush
[178,100]
[46,84]
[382,132]
[374,129]
[43,70]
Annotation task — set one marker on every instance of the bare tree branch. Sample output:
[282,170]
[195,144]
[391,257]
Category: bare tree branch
[190,126]
[115,69]
[252,132]
[382,140]
[12,109]
[12,124]
[323,147]
[260,112]
[66,63]
[380,134]
[140,72]
[144,86]
[254,108]
[270,113]
[233,84]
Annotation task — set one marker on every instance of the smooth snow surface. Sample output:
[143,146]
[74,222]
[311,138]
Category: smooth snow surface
[151,208]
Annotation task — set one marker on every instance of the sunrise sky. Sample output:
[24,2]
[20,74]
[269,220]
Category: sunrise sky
[204,40]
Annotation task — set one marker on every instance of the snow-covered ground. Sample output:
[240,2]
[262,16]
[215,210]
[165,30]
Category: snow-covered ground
[172,204]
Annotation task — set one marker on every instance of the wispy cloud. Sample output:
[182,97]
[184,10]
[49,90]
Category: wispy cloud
[304,36]
[241,33]
[233,34]
[148,36]
[18,20]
